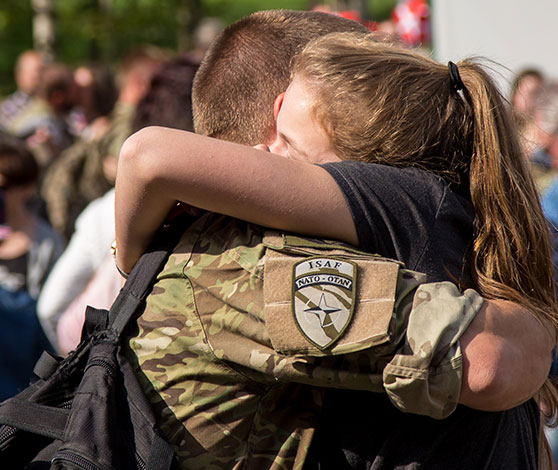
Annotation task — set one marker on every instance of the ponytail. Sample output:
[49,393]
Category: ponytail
[449,120]
[452,121]
[512,257]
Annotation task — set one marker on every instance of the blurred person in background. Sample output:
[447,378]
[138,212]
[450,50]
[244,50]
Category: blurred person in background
[544,160]
[44,122]
[87,171]
[27,74]
[544,136]
[524,99]
[204,34]
[544,165]
[85,273]
[97,94]
[525,88]
[28,250]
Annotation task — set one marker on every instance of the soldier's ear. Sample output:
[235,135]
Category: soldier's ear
[277,105]
[276,108]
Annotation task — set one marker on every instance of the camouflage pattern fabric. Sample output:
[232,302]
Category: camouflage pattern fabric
[244,328]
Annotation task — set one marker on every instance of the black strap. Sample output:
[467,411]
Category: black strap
[95,319]
[46,365]
[39,419]
[141,278]
[161,454]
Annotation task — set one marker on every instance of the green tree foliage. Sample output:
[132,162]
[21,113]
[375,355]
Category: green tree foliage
[103,30]
[94,30]
[380,10]
[15,36]
[231,11]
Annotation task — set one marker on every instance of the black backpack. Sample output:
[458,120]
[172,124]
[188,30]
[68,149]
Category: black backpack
[88,411]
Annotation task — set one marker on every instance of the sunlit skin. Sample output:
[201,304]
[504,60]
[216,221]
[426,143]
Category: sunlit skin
[299,136]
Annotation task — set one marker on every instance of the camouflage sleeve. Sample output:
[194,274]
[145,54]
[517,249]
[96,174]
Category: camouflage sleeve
[424,376]
[265,314]
[240,336]
[401,336]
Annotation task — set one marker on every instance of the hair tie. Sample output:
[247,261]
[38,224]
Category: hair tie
[455,78]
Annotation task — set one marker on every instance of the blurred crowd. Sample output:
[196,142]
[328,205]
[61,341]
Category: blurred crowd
[60,135]
[534,100]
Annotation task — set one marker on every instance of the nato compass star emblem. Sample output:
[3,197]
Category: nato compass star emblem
[323,298]
[324,312]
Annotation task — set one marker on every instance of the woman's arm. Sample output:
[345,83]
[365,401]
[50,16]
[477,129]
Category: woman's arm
[223,177]
[506,356]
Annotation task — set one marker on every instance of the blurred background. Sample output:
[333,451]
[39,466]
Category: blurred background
[514,33]
[77,77]
[78,31]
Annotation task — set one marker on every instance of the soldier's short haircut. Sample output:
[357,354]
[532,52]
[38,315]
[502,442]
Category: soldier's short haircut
[248,65]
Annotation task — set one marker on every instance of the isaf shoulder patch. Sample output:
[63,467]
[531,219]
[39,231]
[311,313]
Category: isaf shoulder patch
[323,298]
[323,304]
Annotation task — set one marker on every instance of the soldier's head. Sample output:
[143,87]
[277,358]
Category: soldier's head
[248,65]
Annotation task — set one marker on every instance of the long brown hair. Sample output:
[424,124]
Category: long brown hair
[386,104]
[409,114]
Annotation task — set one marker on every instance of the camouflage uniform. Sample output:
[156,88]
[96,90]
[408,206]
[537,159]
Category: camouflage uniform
[245,327]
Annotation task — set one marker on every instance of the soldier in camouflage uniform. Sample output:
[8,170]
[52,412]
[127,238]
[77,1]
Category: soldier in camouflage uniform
[77,177]
[80,174]
[246,327]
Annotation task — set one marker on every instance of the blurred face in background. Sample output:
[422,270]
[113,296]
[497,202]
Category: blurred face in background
[28,72]
[84,81]
[525,96]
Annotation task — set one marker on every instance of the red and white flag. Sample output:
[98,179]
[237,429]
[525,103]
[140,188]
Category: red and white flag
[411,20]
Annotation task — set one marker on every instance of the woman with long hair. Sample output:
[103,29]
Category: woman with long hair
[460,202]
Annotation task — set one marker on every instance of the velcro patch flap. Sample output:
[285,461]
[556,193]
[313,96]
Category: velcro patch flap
[327,304]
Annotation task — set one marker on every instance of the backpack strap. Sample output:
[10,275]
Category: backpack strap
[32,417]
[95,320]
[131,299]
[46,365]
[141,278]
[161,455]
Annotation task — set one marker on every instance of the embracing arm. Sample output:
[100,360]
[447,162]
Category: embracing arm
[506,356]
[222,177]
